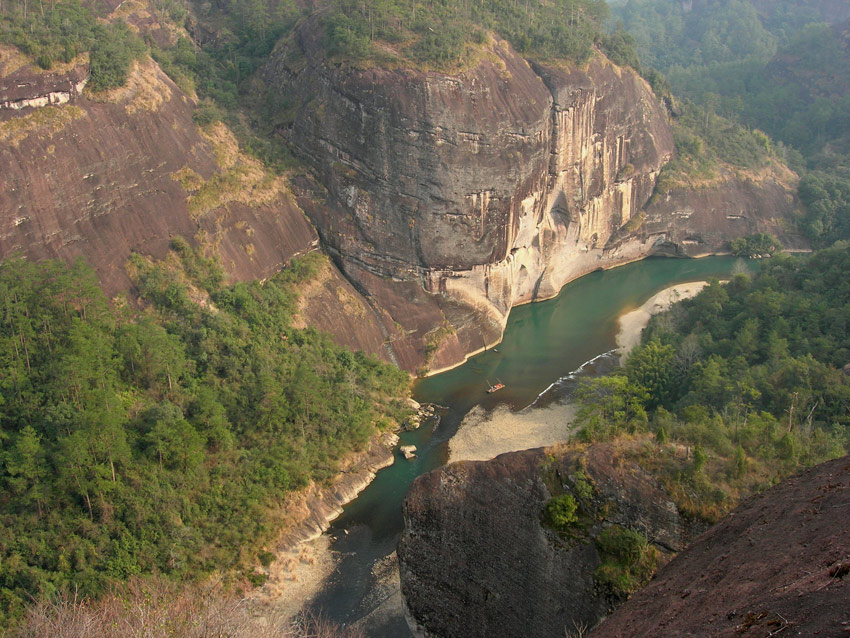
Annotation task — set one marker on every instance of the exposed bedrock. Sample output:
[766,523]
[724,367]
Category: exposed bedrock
[101,177]
[475,559]
[448,199]
[780,561]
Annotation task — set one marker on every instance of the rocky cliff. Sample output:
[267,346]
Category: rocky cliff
[99,176]
[448,199]
[476,560]
[444,199]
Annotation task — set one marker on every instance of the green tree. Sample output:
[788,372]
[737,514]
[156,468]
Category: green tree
[26,469]
[176,444]
[561,512]
[651,367]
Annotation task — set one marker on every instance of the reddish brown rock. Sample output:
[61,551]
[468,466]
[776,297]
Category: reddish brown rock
[701,220]
[777,565]
[98,179]
[450,198]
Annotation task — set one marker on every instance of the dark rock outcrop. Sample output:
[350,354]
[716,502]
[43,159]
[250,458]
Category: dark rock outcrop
[780,561]
[695,221]
[475,559]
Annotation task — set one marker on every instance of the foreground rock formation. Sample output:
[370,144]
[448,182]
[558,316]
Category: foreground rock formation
[779,562]
[475,559]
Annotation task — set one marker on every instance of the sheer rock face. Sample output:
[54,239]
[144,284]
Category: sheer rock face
[448,199]
[696,221]
[475,560]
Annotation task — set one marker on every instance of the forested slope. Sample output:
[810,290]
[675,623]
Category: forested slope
[751,375]
[164,441]
[780,67]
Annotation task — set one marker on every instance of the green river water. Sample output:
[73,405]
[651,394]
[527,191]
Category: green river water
[543,342]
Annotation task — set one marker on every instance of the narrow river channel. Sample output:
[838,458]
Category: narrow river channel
[543,343]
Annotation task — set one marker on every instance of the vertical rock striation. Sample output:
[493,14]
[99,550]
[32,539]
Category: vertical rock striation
[452,198]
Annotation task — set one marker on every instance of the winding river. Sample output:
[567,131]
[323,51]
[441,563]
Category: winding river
[543,343]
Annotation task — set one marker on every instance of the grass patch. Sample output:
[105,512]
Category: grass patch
[44,122]
[628,560]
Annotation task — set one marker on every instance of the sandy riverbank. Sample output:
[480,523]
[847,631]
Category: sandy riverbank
[632,323]
[303,559]
[295,577]
[484,436]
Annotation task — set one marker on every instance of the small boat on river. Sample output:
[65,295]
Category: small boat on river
[495,388]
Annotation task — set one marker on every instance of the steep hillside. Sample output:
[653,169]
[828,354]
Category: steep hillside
[480,555]
[781,561]
[101,175]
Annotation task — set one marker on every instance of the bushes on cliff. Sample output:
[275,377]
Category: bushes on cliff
[628,560]
[57,33]
[163,441]
[111,56]
[755,246]
[64,30]
[158,608]
[437,33]
[561,512]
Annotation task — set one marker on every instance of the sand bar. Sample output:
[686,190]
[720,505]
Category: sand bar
[633,322]
[482,436]
[295,577]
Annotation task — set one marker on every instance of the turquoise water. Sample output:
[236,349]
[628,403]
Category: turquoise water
[543,342]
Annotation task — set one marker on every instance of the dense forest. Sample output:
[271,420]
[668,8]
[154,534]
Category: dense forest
[776,67]
[438,32]
[750,375]
[164,441]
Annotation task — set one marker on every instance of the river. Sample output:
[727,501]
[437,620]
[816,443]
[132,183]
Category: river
[543,343]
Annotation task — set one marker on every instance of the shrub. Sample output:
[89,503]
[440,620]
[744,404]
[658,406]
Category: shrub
[561,512]
[628,560]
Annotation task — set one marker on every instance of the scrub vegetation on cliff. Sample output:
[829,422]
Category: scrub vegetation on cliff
[438,33]
[739,386]
[62,31]
[164,441]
